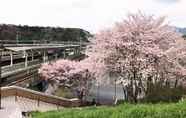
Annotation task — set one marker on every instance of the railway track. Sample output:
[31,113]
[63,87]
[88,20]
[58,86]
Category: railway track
[24,79]
[19,78]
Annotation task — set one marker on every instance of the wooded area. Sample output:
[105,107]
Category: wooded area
[27,33]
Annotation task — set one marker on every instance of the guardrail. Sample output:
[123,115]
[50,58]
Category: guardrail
[29,68]
[38,96]
[19,65]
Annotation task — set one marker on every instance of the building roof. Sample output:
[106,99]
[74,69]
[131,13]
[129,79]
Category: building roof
[25,48]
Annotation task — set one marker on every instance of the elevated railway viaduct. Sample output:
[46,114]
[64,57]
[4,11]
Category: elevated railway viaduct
[20,61]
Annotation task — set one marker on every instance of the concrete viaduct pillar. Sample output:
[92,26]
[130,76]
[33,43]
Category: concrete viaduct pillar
[11,58]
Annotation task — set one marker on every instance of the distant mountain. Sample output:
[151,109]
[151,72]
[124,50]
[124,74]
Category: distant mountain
[181,30]
[29,33]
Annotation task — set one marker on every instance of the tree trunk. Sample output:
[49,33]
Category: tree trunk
[125,93]
[136,91]
[176,83]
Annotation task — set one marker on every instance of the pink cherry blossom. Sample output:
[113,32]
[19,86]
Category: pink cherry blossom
[139,49]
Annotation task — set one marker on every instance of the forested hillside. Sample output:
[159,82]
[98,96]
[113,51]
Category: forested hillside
[25,33]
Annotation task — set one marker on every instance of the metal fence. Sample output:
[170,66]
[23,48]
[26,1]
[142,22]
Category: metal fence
[19,65]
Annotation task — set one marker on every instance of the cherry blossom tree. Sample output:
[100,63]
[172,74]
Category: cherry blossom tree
[68,73]
[141,50]
[58,70]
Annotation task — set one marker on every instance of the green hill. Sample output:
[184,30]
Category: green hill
[28,33]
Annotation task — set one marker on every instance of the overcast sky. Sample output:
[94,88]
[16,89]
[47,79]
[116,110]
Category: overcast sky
[91,15]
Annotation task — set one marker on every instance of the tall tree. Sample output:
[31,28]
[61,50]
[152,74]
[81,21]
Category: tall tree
[139,51]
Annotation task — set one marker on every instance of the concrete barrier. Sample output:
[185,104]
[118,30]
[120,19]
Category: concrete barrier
[38,96]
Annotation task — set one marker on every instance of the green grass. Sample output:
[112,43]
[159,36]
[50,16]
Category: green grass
[161,110]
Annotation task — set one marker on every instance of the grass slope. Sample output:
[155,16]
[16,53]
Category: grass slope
[171,110]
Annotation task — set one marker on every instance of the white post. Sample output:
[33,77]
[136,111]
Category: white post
[32,56]
[26,59]
[64,54]
[44,56]
[11,58]
[75,51]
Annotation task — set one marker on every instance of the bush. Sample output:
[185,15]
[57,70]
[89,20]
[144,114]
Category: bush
[159,93]
[119,102]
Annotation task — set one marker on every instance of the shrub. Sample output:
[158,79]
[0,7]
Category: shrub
[159,93]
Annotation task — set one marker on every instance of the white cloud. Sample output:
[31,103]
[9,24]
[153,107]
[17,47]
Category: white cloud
[91,15]
[168,1]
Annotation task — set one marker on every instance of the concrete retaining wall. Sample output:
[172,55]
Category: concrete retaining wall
[34,95]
